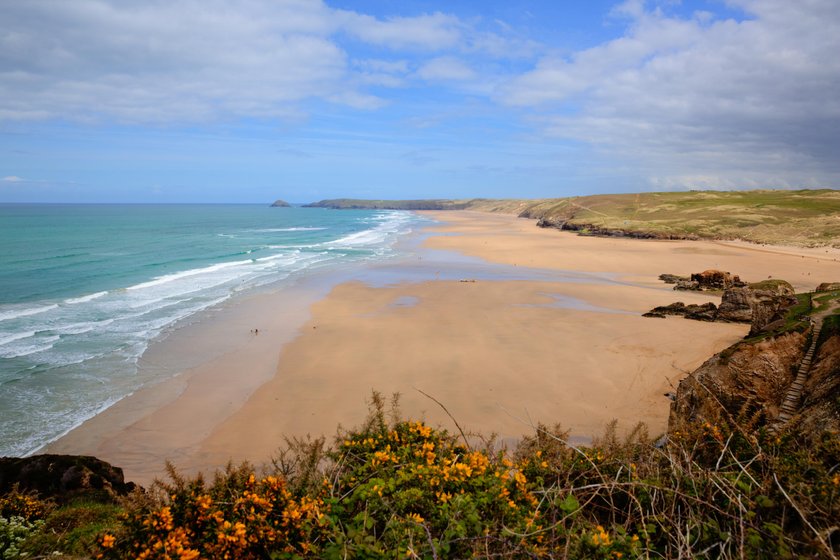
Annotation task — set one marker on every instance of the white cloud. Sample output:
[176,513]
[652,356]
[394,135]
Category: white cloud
[704,98]
[200,60]
[446,68]
[12,179]
[428,32]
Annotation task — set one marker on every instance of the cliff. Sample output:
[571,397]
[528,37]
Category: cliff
[749,382]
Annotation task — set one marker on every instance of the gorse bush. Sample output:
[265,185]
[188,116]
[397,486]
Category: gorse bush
[402,489]
[396,488]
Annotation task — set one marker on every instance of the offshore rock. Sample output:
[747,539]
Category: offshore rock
[63,477]
[280,204]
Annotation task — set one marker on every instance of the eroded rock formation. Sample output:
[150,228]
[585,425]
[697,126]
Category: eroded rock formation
[760,304]
[746,382]
[704,281]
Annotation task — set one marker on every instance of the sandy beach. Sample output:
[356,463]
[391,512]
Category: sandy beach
[552,333]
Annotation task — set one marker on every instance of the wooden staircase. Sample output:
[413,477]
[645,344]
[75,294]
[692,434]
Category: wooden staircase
[790,404]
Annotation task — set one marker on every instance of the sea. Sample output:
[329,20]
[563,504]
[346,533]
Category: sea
[84,290]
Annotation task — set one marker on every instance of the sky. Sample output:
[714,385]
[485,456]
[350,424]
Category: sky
[253,100]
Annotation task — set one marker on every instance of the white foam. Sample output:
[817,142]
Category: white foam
[25,311]
[389,224]
[275,230]
[6,338]
[83,327]
[85,299]
[20,351]
[185,274]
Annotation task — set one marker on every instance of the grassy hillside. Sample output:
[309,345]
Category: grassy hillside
[806,217]
[799,217]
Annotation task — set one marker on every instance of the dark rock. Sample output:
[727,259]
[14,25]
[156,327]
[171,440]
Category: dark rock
[546,222]
[654,314]
[702,312]
[688,285]
[280,204]
[671,278]
[63,477]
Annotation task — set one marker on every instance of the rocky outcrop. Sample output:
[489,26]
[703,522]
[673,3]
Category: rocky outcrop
[761,304]
[701,312]
[280,204]
[601,231]
[828,287]
[672,278]
[62,477]
[746,382]
[707,280]
[736,306]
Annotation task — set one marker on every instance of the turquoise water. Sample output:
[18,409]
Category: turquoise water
[85,288]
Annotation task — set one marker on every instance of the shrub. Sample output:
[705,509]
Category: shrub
[401,488]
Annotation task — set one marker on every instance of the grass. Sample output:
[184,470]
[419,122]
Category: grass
[805,217]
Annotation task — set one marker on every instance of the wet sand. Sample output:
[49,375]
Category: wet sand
[565,343]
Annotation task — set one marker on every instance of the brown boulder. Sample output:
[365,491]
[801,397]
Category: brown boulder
[716,280]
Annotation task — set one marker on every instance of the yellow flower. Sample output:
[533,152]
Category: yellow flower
[416,517]
[108,540]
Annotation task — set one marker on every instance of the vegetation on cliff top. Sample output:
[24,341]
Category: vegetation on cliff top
[804,217]
[395,488]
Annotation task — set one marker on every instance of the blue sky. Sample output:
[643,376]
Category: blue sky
[248,101]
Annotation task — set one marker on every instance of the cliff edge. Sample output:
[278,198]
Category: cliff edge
[785,373]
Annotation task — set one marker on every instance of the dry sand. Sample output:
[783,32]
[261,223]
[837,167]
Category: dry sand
[499,354]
